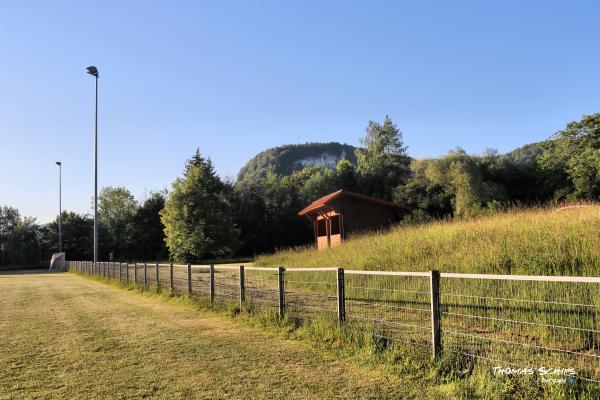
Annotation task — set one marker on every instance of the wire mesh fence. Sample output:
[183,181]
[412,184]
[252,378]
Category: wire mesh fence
[544,323]
[261,291]
[507,320]
[394,307]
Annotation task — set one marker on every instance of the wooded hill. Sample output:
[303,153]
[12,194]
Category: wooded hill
[284,160]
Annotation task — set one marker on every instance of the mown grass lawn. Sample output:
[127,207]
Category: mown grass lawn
[63,337]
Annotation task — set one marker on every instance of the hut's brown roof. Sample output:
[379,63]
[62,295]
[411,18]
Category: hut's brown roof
[326,200]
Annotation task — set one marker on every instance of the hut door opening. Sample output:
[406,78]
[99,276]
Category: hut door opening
[335,235]
[322,237]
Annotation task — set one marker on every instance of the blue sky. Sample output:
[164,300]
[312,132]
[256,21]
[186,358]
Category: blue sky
[236,77]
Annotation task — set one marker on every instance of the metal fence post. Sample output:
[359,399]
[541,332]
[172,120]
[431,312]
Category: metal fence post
[212,283]
[189,273]
[114,275]
[135,273]
[434,293]
[126,272]
[157,278]
[281,287]
[145,274]
[242,286]
[171,275]
[341,295]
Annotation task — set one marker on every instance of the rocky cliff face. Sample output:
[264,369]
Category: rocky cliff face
[286,159]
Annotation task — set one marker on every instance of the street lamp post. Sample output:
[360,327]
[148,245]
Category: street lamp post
[59,206]
[94,72]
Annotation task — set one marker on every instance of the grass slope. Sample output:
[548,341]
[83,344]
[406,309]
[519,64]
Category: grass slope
[521,241]
[64,336]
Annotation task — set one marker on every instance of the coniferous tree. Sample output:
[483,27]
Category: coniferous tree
[383,164]
[197,216]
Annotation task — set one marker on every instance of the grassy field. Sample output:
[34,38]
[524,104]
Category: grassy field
[514,323]
[521,241]
[64,336]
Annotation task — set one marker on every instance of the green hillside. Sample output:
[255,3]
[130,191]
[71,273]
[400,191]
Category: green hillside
[526,155]
[283,160]
[525,241]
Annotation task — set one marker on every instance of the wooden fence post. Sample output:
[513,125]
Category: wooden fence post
[434,294]
[171,276]
[157,278]
[145,274]
[242,286]
[341,295]
[281,287]
[189,273]
[212,283]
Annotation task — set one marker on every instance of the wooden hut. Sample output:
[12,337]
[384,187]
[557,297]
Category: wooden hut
[341,213]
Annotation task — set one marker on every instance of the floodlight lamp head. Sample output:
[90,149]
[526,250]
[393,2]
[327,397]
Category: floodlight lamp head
[92,71]
[58,163]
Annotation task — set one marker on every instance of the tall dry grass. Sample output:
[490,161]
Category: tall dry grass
[544,241]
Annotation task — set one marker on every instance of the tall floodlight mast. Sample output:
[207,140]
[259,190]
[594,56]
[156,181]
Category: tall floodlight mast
[94,72]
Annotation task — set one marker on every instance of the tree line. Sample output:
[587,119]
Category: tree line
[203,216]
